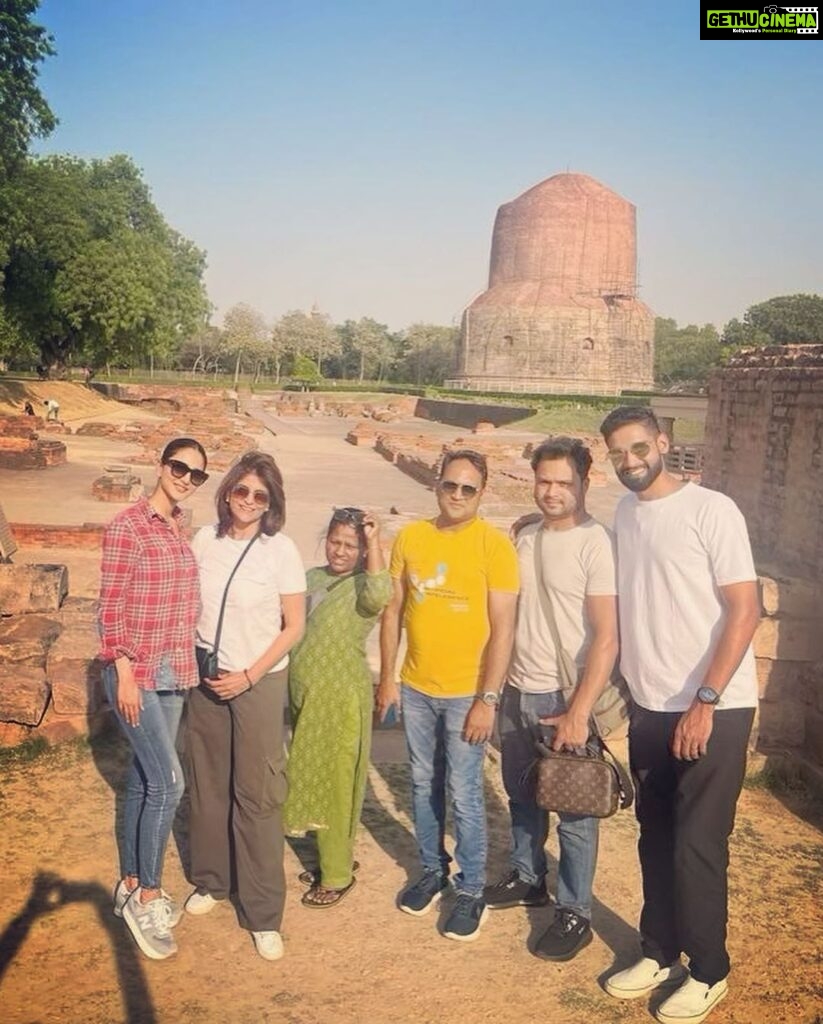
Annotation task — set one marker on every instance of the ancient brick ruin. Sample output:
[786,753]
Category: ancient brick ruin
[23,447]
[765,449]
[561,313]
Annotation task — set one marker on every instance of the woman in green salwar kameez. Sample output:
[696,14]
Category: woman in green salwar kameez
[330,690]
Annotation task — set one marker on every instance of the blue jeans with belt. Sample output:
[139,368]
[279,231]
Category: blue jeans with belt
[577,835]
[442,761]
[154,784]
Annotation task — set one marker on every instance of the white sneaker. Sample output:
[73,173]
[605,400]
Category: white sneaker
[642,978]
[121,894]
[268,944]
[200,903]
[692,1002]
[149,924]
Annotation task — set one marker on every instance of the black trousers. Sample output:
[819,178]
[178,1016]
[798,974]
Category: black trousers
[686,813]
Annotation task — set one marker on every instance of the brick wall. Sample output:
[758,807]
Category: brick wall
[764,448]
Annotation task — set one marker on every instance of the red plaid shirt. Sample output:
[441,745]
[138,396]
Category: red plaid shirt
[149,596]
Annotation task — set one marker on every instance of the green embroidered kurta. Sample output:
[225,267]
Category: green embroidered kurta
[330,693]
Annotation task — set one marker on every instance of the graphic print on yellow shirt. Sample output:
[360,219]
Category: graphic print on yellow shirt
[448,576]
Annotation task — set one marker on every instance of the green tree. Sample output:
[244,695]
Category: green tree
[24,112]
[366,348]
[784,320]
[307,334]
[428,354]
[245,337]
[684,353]
[94,272]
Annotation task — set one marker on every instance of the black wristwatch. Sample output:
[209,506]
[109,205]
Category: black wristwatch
[706,695]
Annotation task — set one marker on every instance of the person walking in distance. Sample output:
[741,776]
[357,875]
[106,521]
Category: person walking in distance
[688,610]
[455,590]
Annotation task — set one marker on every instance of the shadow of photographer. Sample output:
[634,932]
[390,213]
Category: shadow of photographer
[49,894]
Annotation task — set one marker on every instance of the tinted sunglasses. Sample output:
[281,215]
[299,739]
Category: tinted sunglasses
[640,449]
[464,490]
[260,498]
[352,516]
[179,470]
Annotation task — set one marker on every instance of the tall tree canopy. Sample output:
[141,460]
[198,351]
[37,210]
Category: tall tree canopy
[784,320]
[684,354]
[94,273]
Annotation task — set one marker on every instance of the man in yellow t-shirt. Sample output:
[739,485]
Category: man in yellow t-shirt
[455,583]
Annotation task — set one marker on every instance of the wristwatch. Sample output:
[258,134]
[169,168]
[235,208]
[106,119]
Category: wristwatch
[706,695]
[490,699]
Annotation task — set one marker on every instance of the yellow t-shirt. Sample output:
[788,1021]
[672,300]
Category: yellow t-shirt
[448,575]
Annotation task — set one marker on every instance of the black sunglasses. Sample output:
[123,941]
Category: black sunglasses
[352,516]
[179,470]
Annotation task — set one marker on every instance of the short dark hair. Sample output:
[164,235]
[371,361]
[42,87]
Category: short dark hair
[623,415]
[180,444]
[265,467]
[475,458]
[571,448]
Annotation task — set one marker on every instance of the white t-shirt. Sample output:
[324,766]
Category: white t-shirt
[252,619]
[673,555]
[577,563]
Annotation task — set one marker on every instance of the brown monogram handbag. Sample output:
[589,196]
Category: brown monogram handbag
[592,783]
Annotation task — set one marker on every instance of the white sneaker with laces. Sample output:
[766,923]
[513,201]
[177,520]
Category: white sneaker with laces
[121,894]
[692,1002]
[642,978]
[268,944]
[200,903]
[149,924]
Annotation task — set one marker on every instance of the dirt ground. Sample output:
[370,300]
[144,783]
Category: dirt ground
[65,958]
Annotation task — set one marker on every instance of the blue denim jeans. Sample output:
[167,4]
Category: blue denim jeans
[577,835]
[442,761]
[154,784]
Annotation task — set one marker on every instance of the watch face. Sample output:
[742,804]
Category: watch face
[706,695]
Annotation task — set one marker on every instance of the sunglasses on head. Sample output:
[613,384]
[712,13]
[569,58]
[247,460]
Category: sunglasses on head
[260,498]
[352,516]
[179,470]
[640,449]
[464,490]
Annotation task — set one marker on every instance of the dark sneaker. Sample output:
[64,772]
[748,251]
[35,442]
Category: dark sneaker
[512,891]
[419,898]
[566,936]
[465,920]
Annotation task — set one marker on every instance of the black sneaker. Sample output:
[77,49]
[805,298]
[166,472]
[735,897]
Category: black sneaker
[512,891]
[424,894]
[566,936]
[465,920]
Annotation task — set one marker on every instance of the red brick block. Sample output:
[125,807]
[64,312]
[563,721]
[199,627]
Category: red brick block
[32,588]
[74,672]
[24,693]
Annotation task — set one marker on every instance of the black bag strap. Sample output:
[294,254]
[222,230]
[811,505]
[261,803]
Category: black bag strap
[226,591]
[566,683]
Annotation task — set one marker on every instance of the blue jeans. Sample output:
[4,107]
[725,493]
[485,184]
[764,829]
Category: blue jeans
[154,784]
[441,761]
[577,835]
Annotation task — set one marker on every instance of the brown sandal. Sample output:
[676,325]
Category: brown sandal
[312,877]
[319,897]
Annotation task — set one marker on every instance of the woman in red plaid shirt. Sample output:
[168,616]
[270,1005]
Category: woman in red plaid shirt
[149,604]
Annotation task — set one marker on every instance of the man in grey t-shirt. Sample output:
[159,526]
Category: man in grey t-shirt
[578,573]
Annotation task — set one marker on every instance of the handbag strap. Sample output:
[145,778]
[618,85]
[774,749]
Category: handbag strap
[566,684]
[226,591]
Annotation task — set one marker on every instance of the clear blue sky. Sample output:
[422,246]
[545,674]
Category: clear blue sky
[353,154]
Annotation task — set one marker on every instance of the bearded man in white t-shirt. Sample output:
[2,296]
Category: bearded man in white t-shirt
[576,560]
[688,610]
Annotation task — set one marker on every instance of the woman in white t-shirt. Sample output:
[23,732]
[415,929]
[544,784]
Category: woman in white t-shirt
[234,728]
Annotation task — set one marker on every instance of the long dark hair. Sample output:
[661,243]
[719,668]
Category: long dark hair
[265,467]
